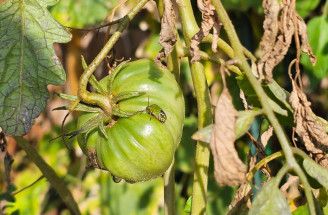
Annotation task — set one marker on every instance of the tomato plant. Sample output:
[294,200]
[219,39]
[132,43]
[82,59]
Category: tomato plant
[137,147]
[132,121]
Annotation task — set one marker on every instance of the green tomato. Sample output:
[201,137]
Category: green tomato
[140,147]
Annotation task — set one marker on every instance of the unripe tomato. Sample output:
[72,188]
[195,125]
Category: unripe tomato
[140,147]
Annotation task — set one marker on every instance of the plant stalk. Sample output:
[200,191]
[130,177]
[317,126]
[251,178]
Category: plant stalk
[205,115]
[173,64]
[284,142]
[50,174]
[97,99]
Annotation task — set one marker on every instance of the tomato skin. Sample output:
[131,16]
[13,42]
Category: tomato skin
[139,147]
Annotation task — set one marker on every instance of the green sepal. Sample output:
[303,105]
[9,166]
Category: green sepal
[67,96]
[117,112]
[91,124]
[126,95]
[113,75]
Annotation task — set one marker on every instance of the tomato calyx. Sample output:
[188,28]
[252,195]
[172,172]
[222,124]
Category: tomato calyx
[103,102]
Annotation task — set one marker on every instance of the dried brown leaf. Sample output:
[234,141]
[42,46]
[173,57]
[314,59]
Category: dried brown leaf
[306,48]
[243,99]
[210,19]
[228,168]
[270,26]
[167,36]
[266,136]
[242,198]
[274,47]
[312,133]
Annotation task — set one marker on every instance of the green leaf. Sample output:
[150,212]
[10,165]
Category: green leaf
[318,40]
[323,197]
[27,61]
[278,99]
[81,13]
[243,5]
[204,134]
[302,210]
[270,200]
[316,171]
[304,7]
[187,208]
[244,121]
[280,94]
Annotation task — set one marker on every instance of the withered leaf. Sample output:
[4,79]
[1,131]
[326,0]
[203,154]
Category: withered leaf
[312,133]
[270,25]
[242,197]
[210,19]
[228,168]
[266,136]
[274,46]
[306,48]
[167,37]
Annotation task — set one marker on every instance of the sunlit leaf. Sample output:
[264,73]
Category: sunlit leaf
[81,13]
[27,61]
[316,171]
[318,39]
[302,210]
[270,200]
[204,134]
[187,208]
[244,121]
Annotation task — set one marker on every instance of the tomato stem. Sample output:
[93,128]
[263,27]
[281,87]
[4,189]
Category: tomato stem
[205,116]
[57,183]
[103,100]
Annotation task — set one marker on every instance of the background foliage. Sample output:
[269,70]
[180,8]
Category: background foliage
[94,190]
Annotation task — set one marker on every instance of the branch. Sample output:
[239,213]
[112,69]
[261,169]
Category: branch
[98,99]
[205,115]
[50,174]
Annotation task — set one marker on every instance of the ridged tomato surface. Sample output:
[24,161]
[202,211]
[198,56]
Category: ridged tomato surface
[140,147]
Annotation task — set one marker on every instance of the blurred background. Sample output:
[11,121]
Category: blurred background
[94,190]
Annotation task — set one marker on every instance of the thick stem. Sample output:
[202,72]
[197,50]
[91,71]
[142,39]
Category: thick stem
[284,142]
[103,101]
[173,64]
[205,116]
[50,174]
[184,52]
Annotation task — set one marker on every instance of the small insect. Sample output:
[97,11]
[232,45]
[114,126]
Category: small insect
[155,111]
